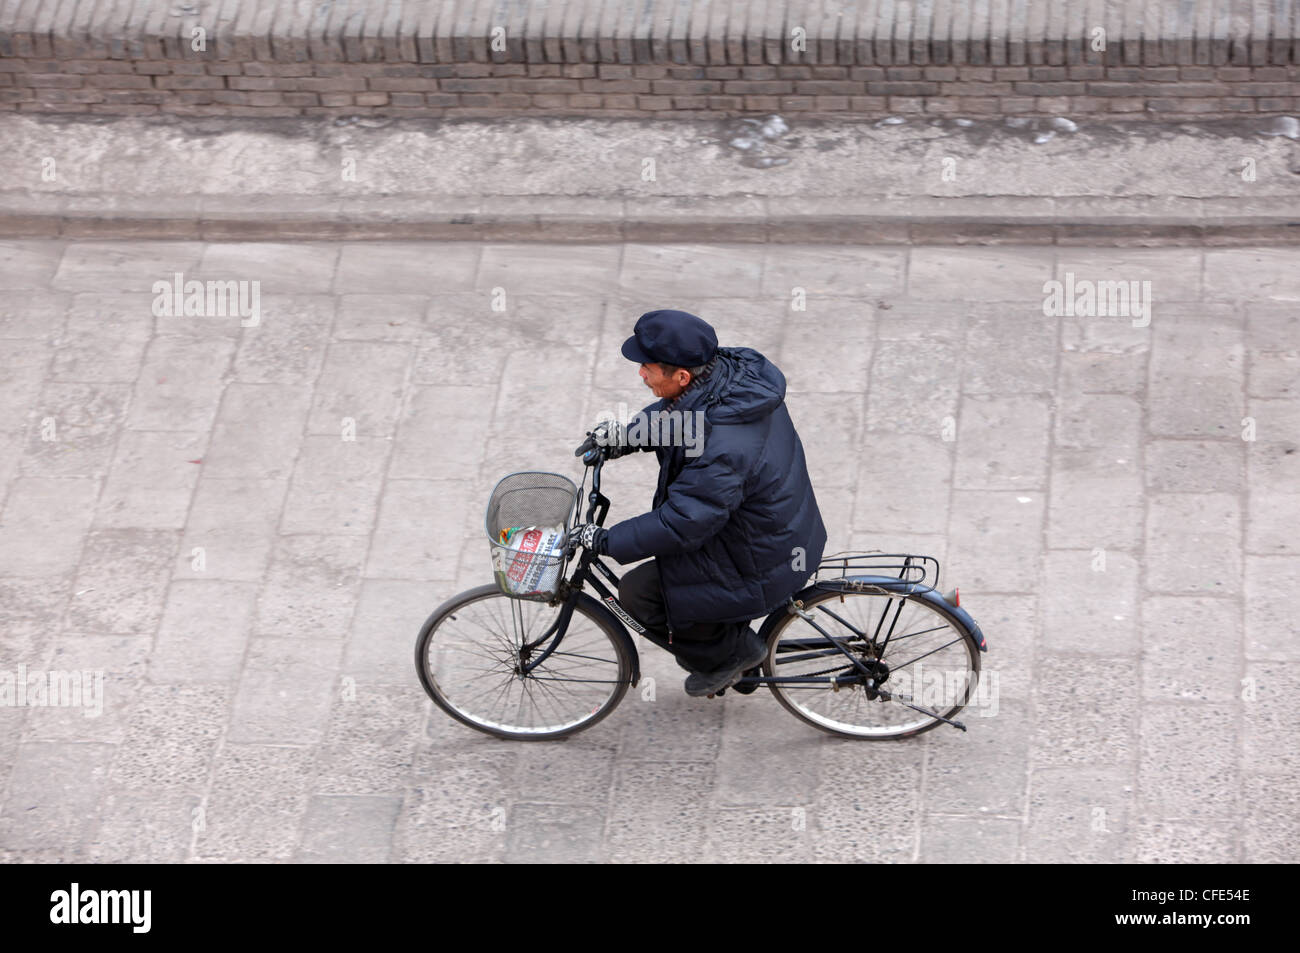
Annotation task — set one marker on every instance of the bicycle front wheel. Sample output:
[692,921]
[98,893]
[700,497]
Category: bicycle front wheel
[470,656]
[914,650]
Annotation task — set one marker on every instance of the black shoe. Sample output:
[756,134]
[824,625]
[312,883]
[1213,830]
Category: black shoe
[700,684]
[755,672]
[751,687]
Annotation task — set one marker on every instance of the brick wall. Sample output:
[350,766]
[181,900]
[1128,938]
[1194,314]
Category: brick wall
[1162,60]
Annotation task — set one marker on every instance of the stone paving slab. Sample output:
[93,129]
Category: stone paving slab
[243,526]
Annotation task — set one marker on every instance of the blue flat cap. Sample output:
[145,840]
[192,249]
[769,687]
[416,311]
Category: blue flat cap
[671,337]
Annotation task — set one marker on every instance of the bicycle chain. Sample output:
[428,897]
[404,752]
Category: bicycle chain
[841,668]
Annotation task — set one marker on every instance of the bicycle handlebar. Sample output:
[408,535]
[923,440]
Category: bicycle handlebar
[586,450]
[592,452]
[594,456]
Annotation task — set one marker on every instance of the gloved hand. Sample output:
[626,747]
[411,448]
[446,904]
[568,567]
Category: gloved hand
[612,436]
[589,535]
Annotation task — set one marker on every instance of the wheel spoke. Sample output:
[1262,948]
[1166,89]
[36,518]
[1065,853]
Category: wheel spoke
[927,654]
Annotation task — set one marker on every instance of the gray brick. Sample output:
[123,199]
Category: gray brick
[435,826]
[388,616]
[1192,543]
[1269,630]
[104,338]
[1272,462]
[260,796]
[1002,444]
[311,587]
[287,346]
[1090,602]
[54,794]
[1208,841]
[1106,355]
[993,783]
[1189,649]
[835,823]
[1077,728]
[336,485]
[180,384]
[1097,422]
[669,820]
[203,633]
[1188,761]
[44,522]
[995,333]
[151,480]
[122,580]
[1270,824]
[982,526]
[122,266]
[1198,466]
[913,387]
[246,443]
[917,467]
[372,737]
[165,818]
[1265,533]
[363,383]
[405,269]
[414,514]
[1184,399]
[284,692]
[233,522]
[348,830]
[74,429]
[1265,722]
[969,840]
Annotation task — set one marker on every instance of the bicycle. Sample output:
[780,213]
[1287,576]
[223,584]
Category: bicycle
[563,661]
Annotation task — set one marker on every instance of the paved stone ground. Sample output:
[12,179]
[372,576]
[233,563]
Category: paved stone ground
[264,707]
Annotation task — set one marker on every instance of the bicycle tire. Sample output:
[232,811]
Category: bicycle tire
[587,609]
[781,622]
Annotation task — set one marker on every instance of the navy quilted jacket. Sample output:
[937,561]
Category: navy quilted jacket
[736,529]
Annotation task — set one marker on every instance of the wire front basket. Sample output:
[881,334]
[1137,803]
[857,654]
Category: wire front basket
[921,571]
[528,520]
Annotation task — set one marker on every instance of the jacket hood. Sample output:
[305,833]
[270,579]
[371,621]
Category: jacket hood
[744,386]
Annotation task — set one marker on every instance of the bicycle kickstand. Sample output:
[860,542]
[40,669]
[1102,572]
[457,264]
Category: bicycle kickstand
[898,699]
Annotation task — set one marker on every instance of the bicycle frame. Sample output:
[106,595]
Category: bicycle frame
[590,569]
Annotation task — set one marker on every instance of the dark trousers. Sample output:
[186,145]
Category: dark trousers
[704,647]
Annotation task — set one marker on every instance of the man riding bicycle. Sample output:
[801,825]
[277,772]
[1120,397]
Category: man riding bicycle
[734,528]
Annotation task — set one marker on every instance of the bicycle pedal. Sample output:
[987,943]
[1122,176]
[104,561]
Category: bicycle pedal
[720,691]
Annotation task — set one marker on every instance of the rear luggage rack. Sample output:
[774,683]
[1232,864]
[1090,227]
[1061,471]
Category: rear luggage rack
[875,571]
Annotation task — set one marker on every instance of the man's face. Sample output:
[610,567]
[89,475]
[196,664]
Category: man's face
[663,385]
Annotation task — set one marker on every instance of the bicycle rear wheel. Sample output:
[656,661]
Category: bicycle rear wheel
[930,658]
[468,656]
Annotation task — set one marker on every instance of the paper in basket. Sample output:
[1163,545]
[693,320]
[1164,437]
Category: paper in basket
[528,560]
